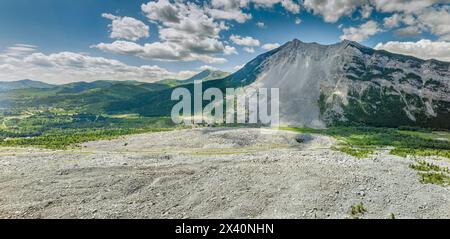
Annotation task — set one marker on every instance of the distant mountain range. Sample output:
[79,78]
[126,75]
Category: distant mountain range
[91,97]
[320,85]
[205,75]
[23,84]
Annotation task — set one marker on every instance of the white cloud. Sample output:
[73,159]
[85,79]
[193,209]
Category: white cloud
[19,50]
[410,31]
[366,11]
[331,11]
[298,21]
[432,19]
[162,10]
[407,6]
[290,6]
[409,19]
[230,3]
[392,21]
[157,50]
[229,10]
[399,19]
[437,20]
[207,67]
[260,24]
[187,33]
[230,50]
[166,51]
[127,28]
[249,49]
[230,14]
[244,41]
[270,46]
[185,19]
[65,67]
[362,32]
[424,49]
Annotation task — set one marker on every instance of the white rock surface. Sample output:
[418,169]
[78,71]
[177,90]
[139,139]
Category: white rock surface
[212,173]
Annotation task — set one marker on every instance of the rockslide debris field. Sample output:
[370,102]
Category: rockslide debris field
[213,173]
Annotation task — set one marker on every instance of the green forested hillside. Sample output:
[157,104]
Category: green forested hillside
[65,115]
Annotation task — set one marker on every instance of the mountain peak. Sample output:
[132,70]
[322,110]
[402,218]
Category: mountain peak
[347,43]
[208,74]
[201,75]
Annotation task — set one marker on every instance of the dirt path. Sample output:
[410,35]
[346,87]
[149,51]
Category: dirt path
[212,173]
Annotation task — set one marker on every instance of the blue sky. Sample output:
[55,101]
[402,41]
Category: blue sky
[70,40]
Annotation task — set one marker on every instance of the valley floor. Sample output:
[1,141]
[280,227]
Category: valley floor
[214,173]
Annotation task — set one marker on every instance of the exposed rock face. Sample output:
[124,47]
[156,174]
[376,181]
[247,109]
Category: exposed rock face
[347,83]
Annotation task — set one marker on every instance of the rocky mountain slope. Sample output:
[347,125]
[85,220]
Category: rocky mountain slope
[348,83]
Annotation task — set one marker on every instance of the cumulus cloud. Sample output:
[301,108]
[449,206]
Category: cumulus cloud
[366,11]
[410,31]
[186,30]
[331,11]
[230,50]
[408,23]
[433,19]
[127,28]
[298,21]
[270,46]
[207,67]
[249,49]
[436,20]
[65,67]
[260,24]
[361,32]
[407,6]
[231,14]
[165,51]
[229,10]
[245,41]
[392,21]
[290,6]
[424,49]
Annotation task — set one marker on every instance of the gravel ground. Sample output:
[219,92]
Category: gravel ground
[213,173]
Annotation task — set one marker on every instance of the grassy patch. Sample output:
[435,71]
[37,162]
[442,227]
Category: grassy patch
[425,166]
[435,178]
[355,152]
[359,141]
[357,210]
[63,130]
[403,152]
[67,139]
[431,173]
